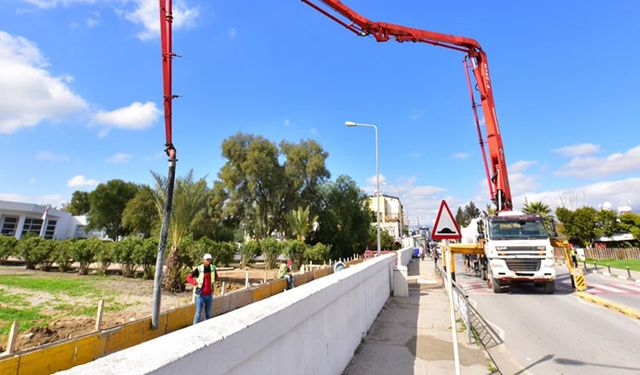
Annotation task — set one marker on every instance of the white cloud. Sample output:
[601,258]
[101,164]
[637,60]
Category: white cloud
[461,155]
[589,166]
[44,4]
[136,116]
[578,149]
[92,22]
[146,14]
[521,166]
[313,131]
[80,180]
[372,180]
[119,158]
[45,155]
[233,33]
[618,192]
[28,92]
[56,200]
[286,123]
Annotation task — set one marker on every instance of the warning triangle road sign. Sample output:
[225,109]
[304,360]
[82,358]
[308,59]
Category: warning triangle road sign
[446,227]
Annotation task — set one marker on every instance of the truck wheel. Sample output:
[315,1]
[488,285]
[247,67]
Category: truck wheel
[496,286]
[550,287]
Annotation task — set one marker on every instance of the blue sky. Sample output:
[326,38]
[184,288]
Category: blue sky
[80,95]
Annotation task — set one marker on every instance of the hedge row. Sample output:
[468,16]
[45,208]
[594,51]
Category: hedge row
[134,252]
[130,253]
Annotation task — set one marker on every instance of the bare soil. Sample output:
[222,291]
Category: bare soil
[130,299]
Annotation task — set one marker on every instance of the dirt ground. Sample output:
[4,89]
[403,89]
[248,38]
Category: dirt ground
[130,299]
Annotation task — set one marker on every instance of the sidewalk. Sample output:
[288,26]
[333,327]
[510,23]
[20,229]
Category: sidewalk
[412,335]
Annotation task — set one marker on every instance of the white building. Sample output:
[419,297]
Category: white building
[18,219]
[391,214]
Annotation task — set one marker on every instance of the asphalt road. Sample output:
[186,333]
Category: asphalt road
[559,333]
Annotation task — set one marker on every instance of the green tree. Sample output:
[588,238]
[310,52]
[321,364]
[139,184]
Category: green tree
[317,253]
[305,170]
[84,252]
[607,223]
[271,250]
[27,250]
[248,252]
[7,247]
[145,255]
[578,225]
[79,204]
[141,215]
[63,255]
[189,200]
[344,221]
[295,250]
[386,240]
[255,183]
[630,222]
[460,218]
[123,253]
[105,255]
[108,201]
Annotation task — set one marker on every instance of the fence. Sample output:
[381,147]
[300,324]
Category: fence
[631,253]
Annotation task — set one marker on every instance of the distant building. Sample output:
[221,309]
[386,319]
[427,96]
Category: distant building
[18,219]
[391,213]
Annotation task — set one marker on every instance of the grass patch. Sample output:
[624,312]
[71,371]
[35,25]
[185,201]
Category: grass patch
[71,287]
[633,264]
[12,300]
[27,318]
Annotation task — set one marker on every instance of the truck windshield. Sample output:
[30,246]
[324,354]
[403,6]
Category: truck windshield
[517,229]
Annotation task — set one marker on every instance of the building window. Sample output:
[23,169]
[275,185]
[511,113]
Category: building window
[51,228]
[9,224]
[32,226]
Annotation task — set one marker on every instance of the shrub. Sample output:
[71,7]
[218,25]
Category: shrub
[271,249]
[43,253]
[224,253]
[317,253]
[7,247]
[27,250]
[294,250]
[84,252]
[196,249]
[63,255]
[104,251]
[123,254]
[248,252]
[144,255]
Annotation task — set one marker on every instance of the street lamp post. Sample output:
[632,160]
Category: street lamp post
[353,124]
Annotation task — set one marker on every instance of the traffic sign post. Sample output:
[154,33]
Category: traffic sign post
[446,228]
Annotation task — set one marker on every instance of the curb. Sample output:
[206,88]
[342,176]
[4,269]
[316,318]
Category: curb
[610,305]
[615,276]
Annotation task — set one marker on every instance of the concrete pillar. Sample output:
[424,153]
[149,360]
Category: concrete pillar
[400,282]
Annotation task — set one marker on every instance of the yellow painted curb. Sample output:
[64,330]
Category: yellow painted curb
[610,305]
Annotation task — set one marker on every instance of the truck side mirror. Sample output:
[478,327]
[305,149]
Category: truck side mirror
[480,225]
[554,231]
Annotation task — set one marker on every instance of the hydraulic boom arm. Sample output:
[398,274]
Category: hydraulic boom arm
[476,59]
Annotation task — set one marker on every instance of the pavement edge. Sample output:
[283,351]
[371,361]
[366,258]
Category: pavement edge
[608,304]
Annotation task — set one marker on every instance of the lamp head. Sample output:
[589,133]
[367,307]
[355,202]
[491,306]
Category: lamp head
[350,124]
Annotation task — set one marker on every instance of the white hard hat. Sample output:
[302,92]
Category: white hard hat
[207,256]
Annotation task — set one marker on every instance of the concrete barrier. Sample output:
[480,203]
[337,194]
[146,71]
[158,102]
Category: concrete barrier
[312,329]
[404,256]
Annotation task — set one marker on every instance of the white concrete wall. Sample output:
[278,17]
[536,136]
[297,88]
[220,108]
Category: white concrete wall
[404,255]
[312,329]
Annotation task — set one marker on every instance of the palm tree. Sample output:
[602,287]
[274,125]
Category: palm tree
[537,208]
[189,200]
[299,222]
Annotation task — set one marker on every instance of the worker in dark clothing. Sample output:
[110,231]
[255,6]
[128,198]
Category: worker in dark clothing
[203,278]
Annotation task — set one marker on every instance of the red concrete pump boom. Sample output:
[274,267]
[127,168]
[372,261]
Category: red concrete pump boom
[475,59]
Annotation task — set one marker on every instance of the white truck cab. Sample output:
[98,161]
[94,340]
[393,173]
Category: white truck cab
[518,250]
